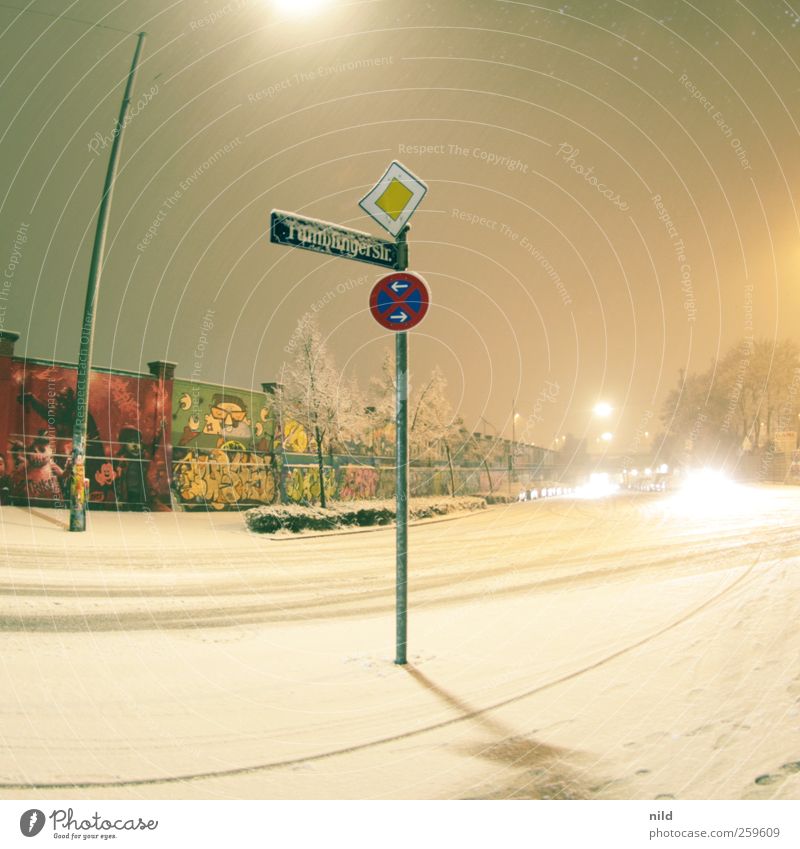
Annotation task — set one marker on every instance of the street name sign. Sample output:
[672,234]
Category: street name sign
[286,228]
[399,301]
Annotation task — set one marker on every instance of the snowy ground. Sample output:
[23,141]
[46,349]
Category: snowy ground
[641,646]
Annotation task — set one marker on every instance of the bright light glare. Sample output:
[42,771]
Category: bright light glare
[706,493]
[599,486]
[707,490]
[602,409]
[607,436]
[299,7]
[706,480]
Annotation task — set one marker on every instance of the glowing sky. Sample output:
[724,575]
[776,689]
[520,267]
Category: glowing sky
[612,188]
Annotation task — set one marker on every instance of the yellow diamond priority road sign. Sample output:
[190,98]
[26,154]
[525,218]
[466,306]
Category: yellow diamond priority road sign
[394,198]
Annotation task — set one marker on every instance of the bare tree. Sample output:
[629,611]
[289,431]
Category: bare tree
[382,394]
[432,427]
[315,394]
[430,415]
[741,401]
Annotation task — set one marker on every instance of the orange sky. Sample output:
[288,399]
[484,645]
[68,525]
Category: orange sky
[612,188]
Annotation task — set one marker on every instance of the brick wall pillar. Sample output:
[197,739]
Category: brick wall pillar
[8,402]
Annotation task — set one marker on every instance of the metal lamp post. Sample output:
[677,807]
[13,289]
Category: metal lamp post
[77,489]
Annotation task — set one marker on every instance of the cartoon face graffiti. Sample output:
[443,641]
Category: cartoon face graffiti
[228,418]
[130,440]
[106,474]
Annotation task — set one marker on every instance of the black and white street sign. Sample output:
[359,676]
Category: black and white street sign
[286,228]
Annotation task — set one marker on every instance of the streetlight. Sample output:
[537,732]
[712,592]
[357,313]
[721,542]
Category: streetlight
[602,409]
[77,489]
[300,7]
[514,416]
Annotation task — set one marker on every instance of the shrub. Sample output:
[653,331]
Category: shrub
[294,518]
[364,514]
[499,498]
[425,508]
[290,517]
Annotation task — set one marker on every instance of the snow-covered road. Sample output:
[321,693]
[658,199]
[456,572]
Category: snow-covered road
[632,647]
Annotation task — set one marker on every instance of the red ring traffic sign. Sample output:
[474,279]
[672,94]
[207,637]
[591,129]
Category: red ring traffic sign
[399,301]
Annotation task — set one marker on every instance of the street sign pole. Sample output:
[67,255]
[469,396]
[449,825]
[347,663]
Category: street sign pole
[401,361]
[397,302]
[401,455]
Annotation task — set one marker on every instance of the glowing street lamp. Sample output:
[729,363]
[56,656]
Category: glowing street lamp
[602,409]
[300,7]
[514,416]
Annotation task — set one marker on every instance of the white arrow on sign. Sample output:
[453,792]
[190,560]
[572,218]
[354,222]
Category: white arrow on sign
[399,316]
[398,286]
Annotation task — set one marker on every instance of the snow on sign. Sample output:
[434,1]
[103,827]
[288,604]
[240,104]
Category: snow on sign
[311,234]
[399,301]
[392,201]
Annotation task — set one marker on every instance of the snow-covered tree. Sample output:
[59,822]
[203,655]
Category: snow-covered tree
[742,400]
[314,393]
[432,426]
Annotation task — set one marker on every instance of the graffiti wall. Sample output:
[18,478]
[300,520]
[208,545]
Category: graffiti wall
[357,482]
[224,479]
[158,443]
[223,444]
[127,437]
[210,416]
[302,484]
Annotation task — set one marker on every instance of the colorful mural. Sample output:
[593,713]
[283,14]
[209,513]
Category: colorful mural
[124,430]
[295,438]
[207,415]
[302,484]
[223,446]
[158,443]
[221,479]
[357,482]
[342,483]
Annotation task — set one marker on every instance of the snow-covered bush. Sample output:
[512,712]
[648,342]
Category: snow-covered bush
[499,498]
[424,508]
[292,517]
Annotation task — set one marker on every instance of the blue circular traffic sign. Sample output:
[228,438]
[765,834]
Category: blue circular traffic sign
[399,301]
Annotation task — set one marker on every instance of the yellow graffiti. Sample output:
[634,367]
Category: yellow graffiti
[232,445]
[295,438]
[303,484]
[221,481]
[78,484]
